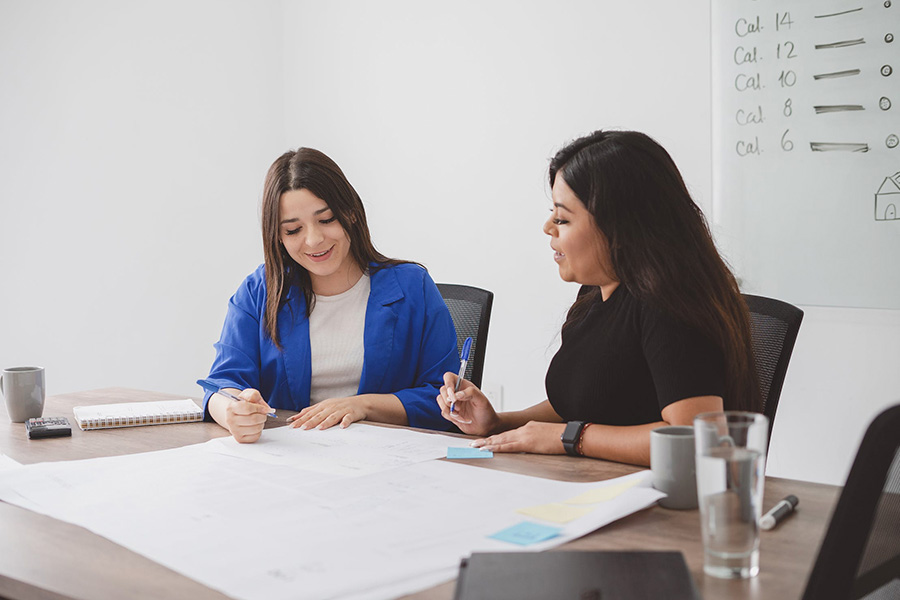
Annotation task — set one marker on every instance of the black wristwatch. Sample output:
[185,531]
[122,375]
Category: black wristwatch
[570,437]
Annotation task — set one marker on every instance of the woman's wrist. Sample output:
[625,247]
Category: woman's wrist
[216,407]
[383,408]
[502,423]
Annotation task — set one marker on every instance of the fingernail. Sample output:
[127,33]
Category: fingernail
[460,395]
[477,444]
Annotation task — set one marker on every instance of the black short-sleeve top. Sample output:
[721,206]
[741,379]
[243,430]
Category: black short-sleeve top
[624,361]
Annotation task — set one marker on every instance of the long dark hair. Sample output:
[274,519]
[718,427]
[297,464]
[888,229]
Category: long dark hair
[311,170]
[660,245]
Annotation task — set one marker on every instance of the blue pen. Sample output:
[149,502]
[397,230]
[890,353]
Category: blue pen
[464,360]
[211,387]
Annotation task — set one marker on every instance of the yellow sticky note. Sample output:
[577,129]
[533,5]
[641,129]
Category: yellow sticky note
[556,512]
[602,494]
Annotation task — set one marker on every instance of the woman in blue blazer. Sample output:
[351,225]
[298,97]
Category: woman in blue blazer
[328,326]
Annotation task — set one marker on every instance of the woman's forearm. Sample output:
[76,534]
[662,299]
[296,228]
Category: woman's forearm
[542,411]
[626,444]
[384,408]
[631,444]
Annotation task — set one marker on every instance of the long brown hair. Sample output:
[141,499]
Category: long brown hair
[660,245]
[311,170]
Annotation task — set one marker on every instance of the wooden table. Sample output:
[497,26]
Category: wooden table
[42,558]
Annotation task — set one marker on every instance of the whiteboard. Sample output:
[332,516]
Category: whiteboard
[806,163]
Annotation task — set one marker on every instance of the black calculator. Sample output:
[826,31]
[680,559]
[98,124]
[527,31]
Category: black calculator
[45,427]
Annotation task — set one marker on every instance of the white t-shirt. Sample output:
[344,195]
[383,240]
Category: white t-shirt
[336,329]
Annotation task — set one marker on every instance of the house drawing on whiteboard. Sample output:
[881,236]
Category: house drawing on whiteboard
[887,199]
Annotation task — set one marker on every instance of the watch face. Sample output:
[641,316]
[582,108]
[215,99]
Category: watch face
[570,436]
[571,433]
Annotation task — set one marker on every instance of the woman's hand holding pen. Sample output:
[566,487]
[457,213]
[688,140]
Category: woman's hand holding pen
[245,420]
[472,411]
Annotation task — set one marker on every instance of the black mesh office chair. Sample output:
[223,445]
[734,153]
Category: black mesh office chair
[470,308]
[860,554]
[773,330]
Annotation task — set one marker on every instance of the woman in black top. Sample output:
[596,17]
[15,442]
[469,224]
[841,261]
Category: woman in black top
[659,332]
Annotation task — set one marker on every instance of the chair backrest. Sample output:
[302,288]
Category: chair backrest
[773,330]
[860,554]
[470,308]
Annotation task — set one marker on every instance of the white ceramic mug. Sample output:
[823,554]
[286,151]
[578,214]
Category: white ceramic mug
[673,466]
[24,390]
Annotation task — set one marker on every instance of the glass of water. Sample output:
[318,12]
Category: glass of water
[731,465]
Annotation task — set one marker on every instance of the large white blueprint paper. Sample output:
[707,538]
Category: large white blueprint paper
[256,526]
[7,463]
[357,450]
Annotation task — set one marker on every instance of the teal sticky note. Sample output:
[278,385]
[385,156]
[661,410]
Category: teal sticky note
[526,533]
[453,452]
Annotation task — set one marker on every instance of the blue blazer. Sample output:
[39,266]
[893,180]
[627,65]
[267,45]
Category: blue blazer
[409,343]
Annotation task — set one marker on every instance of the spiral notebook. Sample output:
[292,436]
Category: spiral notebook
[135,414]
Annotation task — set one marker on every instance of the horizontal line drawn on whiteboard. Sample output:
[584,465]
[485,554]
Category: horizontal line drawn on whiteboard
[838,147]
[841,44]
[847,73]
[837,108]
[838,14]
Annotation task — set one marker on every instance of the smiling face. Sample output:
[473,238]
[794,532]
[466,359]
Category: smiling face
[580,248]
[315,239]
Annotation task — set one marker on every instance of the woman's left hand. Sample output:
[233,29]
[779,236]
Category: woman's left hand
[536,437]
[331,412]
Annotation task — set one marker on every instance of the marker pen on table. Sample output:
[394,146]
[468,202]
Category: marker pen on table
[464,361]
[779,512]
[211,387]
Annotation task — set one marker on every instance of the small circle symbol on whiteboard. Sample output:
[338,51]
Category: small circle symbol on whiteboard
[884,103]
[892,141]
[886,70]
[889,37]
[887,3]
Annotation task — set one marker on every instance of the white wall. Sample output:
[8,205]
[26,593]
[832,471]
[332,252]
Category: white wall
[134,138]
[843,372]
[445,115]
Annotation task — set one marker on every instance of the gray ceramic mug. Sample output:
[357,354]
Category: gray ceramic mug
[673,466]
[24,391]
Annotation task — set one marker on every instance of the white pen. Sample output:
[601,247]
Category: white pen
[464,361]
[779,512]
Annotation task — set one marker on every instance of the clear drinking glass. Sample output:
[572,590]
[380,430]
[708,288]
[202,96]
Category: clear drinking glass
[731,464]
